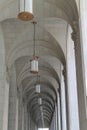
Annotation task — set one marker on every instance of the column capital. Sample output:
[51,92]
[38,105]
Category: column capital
[76,26]
[75,35]
[64,72]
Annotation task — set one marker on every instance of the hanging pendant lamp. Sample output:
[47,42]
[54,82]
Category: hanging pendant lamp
[38,88]
[38,85]
[26,10]
[40,101]
[34,61]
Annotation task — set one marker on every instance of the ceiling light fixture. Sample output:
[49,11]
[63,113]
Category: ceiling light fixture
[38,89]
[40,101]
[26,10]
[34,60]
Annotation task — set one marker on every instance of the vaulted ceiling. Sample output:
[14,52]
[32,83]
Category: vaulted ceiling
[53,17]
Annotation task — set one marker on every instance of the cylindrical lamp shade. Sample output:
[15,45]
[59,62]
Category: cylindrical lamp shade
[26,10]
[34,65]
[40,101]
[38,88]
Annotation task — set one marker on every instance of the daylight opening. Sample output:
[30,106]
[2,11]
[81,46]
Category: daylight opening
[43,128]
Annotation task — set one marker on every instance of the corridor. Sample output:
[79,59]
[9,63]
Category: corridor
[43,66]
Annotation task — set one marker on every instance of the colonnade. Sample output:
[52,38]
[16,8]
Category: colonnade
[70,107]
[66,108]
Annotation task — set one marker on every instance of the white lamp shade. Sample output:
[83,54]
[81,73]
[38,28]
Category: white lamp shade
[34,66]
[40,101]
[38,88]
[26,10]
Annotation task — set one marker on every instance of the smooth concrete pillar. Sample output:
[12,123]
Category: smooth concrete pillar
[13,101]
[79,71]
[52,125]
[6,105]
[20,108]
[4,85]
[83,39]
[53,121]
[83,32]
[72,96]
[59,112]
[56,117]
[63,99]
[25,117]
[29,121]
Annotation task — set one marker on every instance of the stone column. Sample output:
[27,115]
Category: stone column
[54,119]
[56,122]
[57,116]
[79,71]
[13,101]
[20,109]
[6,104]
[63,99]
[4,86]
[83,35]
[52,124]
[58,112]
[25,116]
[28,121]
[72,96]
[20,106]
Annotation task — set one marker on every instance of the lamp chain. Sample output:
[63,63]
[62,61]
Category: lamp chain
[34,23]
[38,79]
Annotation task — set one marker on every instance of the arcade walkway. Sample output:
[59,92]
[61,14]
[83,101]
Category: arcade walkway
[43,66]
